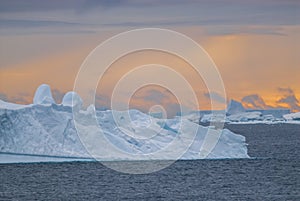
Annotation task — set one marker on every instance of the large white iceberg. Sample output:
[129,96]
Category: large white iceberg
[49,130]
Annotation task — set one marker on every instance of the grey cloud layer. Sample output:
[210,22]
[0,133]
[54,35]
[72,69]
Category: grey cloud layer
[255,101]
[94,14]
[289,98]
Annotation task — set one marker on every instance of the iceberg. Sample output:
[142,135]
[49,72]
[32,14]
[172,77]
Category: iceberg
[234,107]
[292,116]
[246,116]
[242,118]
[213,118]
[236,113]
[50,131]
[45,129]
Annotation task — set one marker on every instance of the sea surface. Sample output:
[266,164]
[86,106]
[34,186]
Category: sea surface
[273,173]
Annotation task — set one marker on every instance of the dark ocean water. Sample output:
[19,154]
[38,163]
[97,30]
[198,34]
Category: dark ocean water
[273,175]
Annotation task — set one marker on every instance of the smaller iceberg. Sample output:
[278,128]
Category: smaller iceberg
[292,117]
[246,117]
[235,107]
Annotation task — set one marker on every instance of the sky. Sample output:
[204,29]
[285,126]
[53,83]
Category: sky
[254,44]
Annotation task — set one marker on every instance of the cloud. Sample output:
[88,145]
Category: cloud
[215,96]
[149,97]
[20,98]
[36,5]
[143,100]
[289,99]
[155,96]
[80,5]
[286,91]
[90,15]
[102,101]
[3,97]
[5,23]
[57,95]
[254,101]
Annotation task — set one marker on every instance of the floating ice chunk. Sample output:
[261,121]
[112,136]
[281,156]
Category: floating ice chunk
[213,118]
[292,116]
[245,117]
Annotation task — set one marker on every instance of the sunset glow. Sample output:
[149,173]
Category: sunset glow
[258,59]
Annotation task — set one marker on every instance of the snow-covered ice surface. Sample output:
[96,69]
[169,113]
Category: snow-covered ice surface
[193,117]
[11,106]
[49,130]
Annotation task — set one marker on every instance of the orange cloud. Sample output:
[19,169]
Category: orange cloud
[249,64]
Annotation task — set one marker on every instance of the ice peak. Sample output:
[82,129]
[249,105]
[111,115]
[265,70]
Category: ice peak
[43,95]
[72,99]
